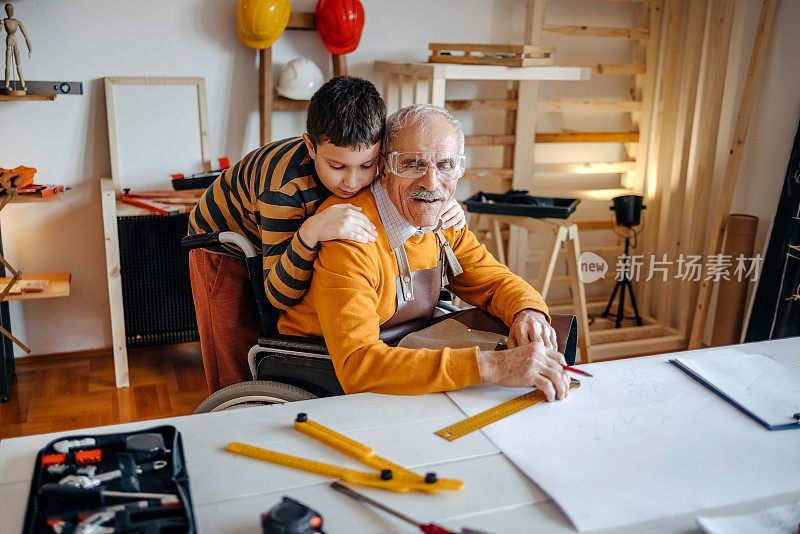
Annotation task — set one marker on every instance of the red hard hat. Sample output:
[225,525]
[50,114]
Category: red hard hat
[339,23]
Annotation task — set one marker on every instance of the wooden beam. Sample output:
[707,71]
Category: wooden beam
[481,104]
[724,199]
[591,106]
[721,19]
[339,64]
[602,224]
[487,173]
[610,68]
[280,103]
[554,137]
[301,21]
[680,194]
[265,95]
[587,137]
[597,31]
[585,168]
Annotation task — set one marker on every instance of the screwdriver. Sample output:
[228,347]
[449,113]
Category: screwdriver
[428,528]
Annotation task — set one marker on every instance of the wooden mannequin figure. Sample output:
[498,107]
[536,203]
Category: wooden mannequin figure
[12,51]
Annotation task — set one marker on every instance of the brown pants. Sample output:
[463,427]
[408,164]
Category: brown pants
[227,317]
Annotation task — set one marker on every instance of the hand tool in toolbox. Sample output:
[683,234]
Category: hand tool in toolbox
[291,517]
[144,446]
[427,528]
[87,482]
[73,494]
[392,477]
[471,424]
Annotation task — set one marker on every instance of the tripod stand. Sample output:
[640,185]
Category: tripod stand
[623,284]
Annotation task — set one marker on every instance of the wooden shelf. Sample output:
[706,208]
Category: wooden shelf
[29,98]
[58,286]
[281,103]
[23,199]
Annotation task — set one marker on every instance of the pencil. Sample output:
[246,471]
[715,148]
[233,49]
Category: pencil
[584,373]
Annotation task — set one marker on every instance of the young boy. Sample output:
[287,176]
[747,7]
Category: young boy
[271,197]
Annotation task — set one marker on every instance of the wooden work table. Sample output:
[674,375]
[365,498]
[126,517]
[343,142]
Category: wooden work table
[230,492]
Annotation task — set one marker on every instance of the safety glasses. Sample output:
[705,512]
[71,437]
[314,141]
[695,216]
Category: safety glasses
[416,164]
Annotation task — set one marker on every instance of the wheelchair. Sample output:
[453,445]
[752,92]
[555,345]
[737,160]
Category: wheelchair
[290,368]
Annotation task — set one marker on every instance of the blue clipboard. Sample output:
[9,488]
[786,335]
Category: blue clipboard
[732,402]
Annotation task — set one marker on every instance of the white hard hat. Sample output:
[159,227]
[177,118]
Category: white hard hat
[299,79]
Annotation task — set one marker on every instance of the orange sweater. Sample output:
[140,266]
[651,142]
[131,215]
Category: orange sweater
[353,292]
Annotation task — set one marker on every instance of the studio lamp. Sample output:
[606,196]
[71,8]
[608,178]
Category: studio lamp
[628,211]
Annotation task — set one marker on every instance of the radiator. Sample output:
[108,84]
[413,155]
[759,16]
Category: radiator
[156,291]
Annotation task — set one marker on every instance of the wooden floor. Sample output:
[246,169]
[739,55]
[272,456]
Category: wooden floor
[66,392]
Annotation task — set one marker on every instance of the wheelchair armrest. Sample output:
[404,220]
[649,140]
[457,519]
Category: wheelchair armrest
[215,238]
[314,345]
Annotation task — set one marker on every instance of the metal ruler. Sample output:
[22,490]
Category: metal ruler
[471,424]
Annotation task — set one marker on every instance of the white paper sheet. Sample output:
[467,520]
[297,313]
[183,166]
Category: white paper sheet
[766,388]
[639,442]
[777,520]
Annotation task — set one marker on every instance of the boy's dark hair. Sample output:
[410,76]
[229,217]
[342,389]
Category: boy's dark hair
[346,112]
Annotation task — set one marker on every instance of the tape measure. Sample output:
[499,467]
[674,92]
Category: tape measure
[471,424]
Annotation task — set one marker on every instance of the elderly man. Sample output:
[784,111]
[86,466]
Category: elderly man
[361,291]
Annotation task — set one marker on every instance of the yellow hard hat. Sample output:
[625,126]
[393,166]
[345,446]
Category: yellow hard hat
[261,22]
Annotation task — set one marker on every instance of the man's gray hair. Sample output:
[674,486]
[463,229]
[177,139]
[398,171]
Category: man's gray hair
[418,114]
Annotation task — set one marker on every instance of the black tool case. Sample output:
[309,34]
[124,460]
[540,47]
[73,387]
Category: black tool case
[519,202]
[60,508]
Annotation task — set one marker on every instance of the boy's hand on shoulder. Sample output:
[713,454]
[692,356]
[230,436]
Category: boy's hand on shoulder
[453,216]
[340,221]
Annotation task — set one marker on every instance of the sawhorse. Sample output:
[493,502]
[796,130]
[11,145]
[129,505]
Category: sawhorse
[559,231]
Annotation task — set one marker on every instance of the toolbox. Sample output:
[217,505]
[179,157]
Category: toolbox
[519,202]
[133,483]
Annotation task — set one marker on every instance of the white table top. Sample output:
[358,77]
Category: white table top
[230,492]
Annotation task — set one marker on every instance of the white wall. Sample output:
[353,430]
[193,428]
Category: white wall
[85,40]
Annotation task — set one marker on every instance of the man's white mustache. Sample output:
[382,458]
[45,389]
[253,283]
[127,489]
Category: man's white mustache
[428,196]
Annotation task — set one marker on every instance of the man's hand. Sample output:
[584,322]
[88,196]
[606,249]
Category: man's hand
[340,221]
[531,326]
[526,365]
[453,215]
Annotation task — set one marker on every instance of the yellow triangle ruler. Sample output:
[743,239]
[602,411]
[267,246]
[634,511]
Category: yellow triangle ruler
[471,424]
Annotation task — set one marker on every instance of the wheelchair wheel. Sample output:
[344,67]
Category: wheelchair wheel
[255,393]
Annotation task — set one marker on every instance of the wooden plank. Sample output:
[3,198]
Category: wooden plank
[637,347]
[530,50]
[603,224]
[111,121]
[265,95]
[663,147]
[489,140]
[585,168]
[597,31]
[281,103]
[437,87]
[488,60]
[626,333]
[587,137]
[606,251]
[114,278]
[299,20]
[25,199]
[672,214]
[26,98]
[603,194]
[723,202]
[493,72]
[58,286]
[339,64]
[721,19]
[476,104]
[644,91]
[202,110]
[487,173]
[578,293]
[610,68]
[591,106]
[510,126]
[391,91]
[553,137]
